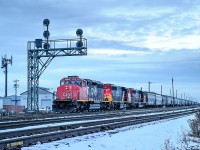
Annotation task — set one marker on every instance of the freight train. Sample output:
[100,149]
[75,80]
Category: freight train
[77,94]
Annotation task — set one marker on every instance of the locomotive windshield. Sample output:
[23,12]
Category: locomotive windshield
[62,83]
[75,82]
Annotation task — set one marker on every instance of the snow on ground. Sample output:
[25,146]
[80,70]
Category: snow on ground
[75,122]
[148,136]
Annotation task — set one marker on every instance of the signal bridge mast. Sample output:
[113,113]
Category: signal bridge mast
[42,52]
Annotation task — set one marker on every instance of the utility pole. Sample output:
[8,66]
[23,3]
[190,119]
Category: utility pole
[141,88]
[4,64]
[16,85]
[173,91]
[149,85]
[161,89]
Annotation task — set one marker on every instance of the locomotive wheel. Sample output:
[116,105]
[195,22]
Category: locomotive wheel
[72,109]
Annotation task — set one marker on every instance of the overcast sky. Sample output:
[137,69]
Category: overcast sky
[129,42]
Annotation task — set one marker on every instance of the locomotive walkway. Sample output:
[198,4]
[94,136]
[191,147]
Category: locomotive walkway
[24,137]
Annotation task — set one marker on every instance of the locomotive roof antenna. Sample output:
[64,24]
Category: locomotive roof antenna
[42,52]
[4,64]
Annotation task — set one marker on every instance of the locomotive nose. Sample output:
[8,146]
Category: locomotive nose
[72,92]
[68,92]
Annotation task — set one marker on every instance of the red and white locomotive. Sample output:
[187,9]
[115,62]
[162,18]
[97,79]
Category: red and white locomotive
[77,94]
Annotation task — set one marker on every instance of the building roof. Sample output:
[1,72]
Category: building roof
[12,97]
[41,90]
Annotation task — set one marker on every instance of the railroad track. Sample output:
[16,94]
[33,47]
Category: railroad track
[32,136]
[58,119]
[30,116]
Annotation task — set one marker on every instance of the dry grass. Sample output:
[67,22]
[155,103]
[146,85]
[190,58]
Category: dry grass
[188,140]
[195,125]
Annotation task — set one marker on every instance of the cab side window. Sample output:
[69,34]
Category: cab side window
[84,83]
[78,83]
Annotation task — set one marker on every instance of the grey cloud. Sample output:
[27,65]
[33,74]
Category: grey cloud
[21,20]
[111,44]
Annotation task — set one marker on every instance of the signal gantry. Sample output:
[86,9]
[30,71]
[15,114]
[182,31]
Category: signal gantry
[42,52]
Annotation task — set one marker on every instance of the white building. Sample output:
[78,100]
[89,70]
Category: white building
[45,99]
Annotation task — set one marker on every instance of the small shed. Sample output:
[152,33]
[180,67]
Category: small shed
[11,100]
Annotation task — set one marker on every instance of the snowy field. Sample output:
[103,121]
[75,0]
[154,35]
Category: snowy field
[148,136]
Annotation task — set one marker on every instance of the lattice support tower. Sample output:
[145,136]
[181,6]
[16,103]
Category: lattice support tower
[42,52]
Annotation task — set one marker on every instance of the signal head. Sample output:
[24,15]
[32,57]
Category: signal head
[46,22]
[46,46]
[79,44]
[46,34]
[79,32]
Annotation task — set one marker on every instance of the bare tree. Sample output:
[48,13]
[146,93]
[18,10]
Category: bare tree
[195,125]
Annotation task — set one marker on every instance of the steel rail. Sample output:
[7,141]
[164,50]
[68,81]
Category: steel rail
[28,132]
[25,123]
[34,116]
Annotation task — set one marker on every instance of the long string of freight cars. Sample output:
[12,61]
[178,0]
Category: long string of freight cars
[77,94]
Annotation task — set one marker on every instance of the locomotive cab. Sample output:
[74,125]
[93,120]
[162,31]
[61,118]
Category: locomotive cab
[72,88]
[71,92]
[108,92]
